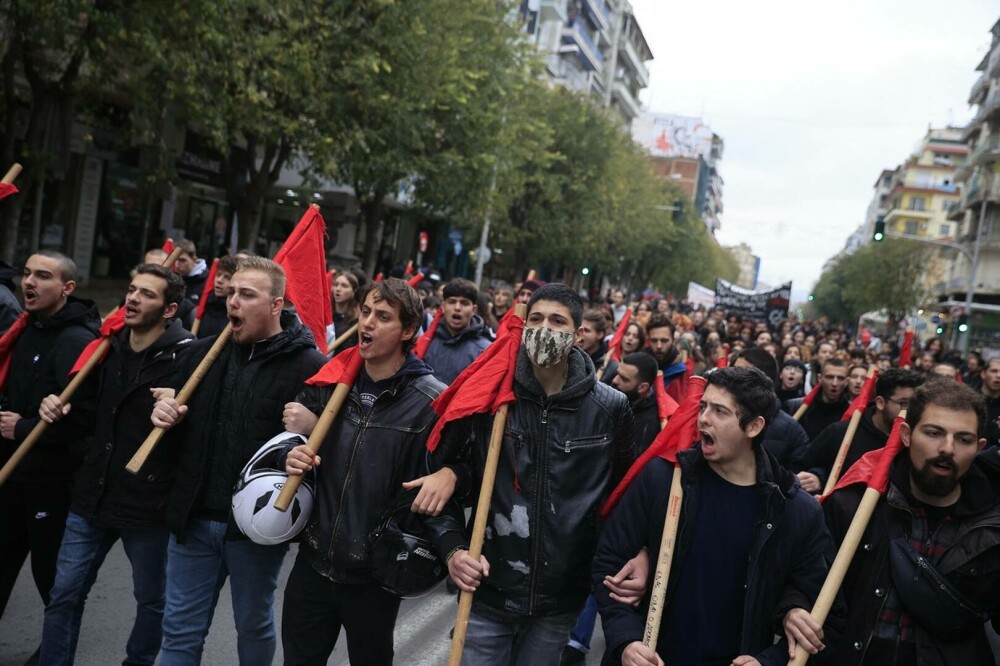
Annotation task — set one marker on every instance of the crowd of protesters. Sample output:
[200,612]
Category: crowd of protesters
[753,547]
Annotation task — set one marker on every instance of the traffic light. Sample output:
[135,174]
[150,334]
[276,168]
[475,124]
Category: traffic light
[963,324]
[811,297]
[879,229]
[940,330]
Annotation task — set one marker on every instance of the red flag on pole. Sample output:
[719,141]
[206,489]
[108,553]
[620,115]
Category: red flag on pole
[415,280]
[724,361]
[303,256]
[665,405]
[409,269]
[209,287]
[378,278]
[7,189]
[615,346]
[168,246]
[341,369]
[861,402]
[872,468]
[420,349]
[681,433]
[483,386]
[7,343]
[906,351]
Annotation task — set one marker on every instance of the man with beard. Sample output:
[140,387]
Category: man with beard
[109,503]
[991,391]
[568,440]
[925,577]
[635,378]
[36,497]
[829,405]
[590,338]
[461,334]
[237,407]
[660,337]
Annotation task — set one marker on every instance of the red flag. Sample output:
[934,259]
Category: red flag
[615,346]
[413,281]
[303,256]
[906,351]
[111,326]
[7,189]
[209,287]
[811,396]
[665,405]
[7,343]
[378,278]
[872,469]
[409,269]
[681,433]
[483,386]
[861,402]
[341,369]
[425,340]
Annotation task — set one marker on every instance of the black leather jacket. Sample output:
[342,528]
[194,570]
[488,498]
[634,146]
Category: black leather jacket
[561,457]
[366,458]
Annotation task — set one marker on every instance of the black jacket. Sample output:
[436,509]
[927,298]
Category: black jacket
[215,317]
[972,564]
[819,415]
[366,458]
[449,354]
[560,458]
[784,438]
[104,491]
[647,423]
[235,410]
[789,555]
[40,364]
[821,453]
[992,420]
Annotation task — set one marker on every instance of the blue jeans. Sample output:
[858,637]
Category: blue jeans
[196,572]
[83,550]
[533,641]
[583,630]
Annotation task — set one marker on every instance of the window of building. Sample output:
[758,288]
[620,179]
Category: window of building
[918,203]
[912,227]
[945,230]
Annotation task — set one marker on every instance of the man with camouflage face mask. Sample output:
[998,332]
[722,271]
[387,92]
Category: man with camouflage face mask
[568,441]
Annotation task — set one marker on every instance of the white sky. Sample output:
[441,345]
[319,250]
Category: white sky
[812,100]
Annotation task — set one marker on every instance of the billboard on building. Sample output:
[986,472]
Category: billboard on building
[666,135]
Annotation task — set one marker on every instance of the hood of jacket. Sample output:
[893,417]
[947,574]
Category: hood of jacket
[76,311]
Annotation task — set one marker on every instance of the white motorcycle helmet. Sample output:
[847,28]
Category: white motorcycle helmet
[258,487]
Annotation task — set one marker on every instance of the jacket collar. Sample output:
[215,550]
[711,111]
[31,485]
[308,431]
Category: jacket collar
[580,380]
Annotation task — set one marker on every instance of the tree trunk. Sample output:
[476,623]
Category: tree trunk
[372,210]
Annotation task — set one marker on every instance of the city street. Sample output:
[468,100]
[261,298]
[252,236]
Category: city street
[421,631]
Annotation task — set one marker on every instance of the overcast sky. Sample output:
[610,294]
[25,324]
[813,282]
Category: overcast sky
[812,100]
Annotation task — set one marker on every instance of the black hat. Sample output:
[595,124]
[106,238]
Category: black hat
[794,362]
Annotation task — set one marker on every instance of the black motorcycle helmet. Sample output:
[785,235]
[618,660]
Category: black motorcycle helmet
[403,560]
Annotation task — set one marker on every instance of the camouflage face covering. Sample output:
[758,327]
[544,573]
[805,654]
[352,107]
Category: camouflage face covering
[546,347]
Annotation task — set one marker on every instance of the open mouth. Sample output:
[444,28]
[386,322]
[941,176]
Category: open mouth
[29,296]
[943,467]
[236,323]
[131,311]
[365,340]
[707,441]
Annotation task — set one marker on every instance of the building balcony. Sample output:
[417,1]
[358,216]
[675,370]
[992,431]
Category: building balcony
[993,66]
[576,40]
[598,10]
[904,213]
[988,150]
[964,170]
[624,96]
[552,10]
[979,90]
[635,62]
[990,105]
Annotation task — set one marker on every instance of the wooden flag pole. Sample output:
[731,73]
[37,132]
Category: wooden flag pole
[841,563]
[800,412]
[68,392]
[658,591]
[482,515]
[478,532]
[315,441]
[342,339]
[153,439]
[12,173]
[835,578]
[845,444]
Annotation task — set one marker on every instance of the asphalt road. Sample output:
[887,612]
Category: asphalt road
[421,630]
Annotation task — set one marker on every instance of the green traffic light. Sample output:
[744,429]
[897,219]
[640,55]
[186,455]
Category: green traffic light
[811,297]
[879,236]
[940,330]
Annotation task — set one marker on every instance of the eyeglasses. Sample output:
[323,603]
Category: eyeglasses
[903,404]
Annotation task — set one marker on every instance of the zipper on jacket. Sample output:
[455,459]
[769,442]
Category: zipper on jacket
[539,486]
